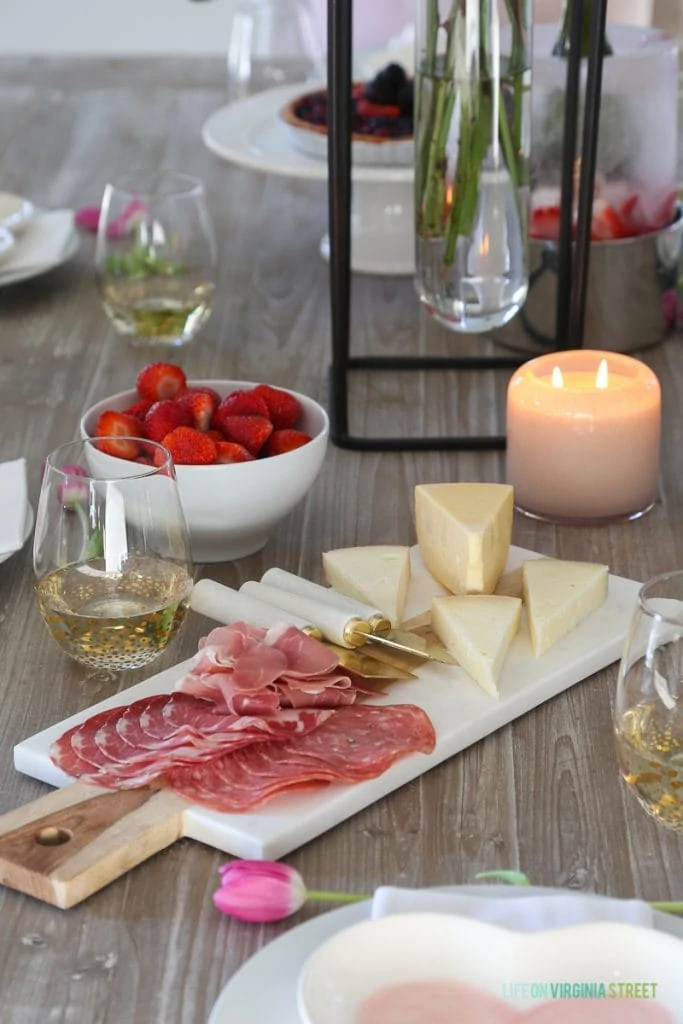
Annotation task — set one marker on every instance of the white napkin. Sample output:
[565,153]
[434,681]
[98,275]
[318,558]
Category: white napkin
[531,913]
[43,241]
[13,505]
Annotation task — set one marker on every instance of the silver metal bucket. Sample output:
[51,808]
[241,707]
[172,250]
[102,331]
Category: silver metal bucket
[627,280]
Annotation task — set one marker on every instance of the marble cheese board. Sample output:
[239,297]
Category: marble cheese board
[461,713]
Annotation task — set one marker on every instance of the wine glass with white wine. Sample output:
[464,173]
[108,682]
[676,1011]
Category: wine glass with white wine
[111,554]
[155,257]
[648,711]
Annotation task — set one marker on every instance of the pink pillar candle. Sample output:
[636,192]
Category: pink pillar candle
[583,435]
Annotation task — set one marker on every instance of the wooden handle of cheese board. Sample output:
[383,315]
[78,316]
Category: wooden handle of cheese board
[69,844]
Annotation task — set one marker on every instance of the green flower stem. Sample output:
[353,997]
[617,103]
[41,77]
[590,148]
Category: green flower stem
[668,907]
[435,176]
[337,897]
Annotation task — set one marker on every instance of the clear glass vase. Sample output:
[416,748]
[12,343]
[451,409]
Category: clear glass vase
[472,89]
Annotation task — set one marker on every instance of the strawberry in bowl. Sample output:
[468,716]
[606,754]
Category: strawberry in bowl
[245,453]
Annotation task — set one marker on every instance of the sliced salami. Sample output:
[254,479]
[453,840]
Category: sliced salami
[354,744]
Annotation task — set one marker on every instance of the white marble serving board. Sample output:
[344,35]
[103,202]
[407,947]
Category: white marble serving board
[462,714]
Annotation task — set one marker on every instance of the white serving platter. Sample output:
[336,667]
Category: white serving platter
[461,713]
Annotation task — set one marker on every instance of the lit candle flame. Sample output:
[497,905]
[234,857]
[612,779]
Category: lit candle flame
[557,380]
[602,376]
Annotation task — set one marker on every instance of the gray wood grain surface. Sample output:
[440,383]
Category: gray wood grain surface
[541,795]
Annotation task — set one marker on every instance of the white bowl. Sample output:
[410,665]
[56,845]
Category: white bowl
[231,509]
[508,969]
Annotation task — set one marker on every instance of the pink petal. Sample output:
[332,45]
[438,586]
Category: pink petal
[88,217]
[259,890]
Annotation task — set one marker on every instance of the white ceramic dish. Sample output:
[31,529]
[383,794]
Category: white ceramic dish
[9,276]
[28,526]
[246,1000]
[15,212]
[460,711]
[251,133]
[362,960]
[232,509]
[7,243]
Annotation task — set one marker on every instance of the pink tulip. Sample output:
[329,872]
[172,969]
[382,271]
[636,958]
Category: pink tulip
[88,218]
[260,890]
[72,491]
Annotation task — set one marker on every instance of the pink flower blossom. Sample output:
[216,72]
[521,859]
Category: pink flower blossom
[88,218]
[260,890]
[72,490]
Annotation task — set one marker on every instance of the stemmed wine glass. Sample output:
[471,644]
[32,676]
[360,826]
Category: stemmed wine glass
[648,711]
[111,554]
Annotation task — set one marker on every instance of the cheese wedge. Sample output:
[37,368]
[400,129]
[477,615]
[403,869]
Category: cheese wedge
[464,531]
[377,575]
[558,595]
[478,630]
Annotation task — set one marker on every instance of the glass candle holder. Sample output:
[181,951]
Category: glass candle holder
[583,437]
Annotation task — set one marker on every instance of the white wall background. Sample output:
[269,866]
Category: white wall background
[179,26]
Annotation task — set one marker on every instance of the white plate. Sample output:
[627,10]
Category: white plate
[247,1000]
[25,274]
[28,526]
[460,711]
[251,133]
[6,242]
[15,211]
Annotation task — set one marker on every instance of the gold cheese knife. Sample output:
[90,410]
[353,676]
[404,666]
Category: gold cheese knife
[342,625]
[223,604]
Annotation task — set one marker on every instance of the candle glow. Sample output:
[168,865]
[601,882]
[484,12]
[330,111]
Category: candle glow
[583,436]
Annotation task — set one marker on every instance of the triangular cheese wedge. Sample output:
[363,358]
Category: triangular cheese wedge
[464,532]
[376,575]
[478,630]
[558,595]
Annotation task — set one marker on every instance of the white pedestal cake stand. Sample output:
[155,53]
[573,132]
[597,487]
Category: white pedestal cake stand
[251,133]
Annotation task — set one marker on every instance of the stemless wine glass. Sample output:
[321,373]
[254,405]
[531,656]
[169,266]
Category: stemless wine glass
[111,554]
[155,257]
[648,711]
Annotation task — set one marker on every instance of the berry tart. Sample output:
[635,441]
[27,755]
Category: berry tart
[382,119]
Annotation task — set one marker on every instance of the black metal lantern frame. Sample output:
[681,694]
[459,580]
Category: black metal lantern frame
[572,258]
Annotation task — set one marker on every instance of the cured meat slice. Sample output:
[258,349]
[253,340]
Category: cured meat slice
[171,730]
[306,657]
[356,743]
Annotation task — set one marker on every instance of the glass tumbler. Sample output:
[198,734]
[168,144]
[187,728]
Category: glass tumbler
[648,711]
[111,554]
[155,257]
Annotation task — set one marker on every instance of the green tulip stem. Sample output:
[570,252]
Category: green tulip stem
[338,897]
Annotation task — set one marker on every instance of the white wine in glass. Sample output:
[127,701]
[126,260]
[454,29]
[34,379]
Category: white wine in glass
[155,257]
[648,711]
[111,556]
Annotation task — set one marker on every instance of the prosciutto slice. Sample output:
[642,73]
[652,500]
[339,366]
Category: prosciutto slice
[254,671]
[356,743]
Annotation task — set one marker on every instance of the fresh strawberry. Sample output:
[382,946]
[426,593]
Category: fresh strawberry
[160,380]
[215,435]
[163,417]
[189,447]
[112,424]
[243,403]
[200,407]
[281,441]
[200,389]
[230,451]
[139,409]
[250,431]
[606,224]
[545,222]
[144,460]
[284,409]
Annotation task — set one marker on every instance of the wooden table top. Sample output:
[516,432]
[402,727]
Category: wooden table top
[542,794]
